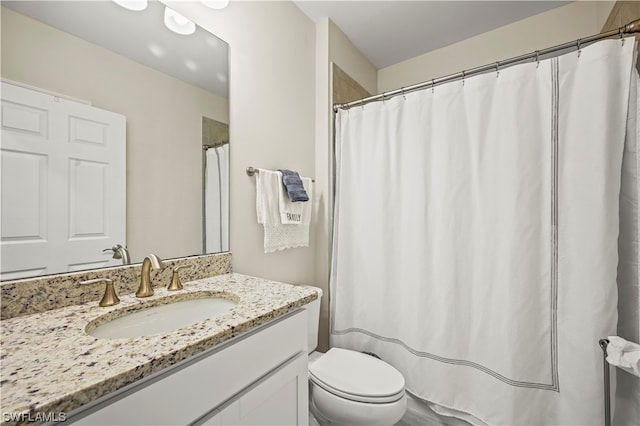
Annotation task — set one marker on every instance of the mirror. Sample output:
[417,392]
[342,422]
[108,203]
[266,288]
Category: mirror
[172,90]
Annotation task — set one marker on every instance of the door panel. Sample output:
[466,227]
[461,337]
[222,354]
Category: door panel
[23,207]
[63,183]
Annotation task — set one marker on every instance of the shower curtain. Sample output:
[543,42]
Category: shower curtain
[217,199]
[475,236]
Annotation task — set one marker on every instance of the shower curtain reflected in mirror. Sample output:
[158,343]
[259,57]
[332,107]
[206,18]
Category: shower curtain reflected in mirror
[216,199]
[476,236]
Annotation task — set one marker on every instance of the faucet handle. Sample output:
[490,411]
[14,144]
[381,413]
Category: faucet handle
[110,297]
[176,284]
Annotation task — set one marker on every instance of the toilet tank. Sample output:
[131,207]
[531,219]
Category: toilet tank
[313,320]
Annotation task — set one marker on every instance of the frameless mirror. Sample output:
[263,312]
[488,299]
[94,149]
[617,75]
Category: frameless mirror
[167,95]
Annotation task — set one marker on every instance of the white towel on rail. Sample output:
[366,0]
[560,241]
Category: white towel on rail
[267,196]
[294,213]
[279,236]
[624,354]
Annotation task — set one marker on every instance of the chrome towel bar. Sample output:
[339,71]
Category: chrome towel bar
[251,171]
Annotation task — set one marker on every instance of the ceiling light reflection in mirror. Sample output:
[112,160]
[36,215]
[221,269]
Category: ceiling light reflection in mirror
[216,4]
[135,5]
[178,23]
[164,49]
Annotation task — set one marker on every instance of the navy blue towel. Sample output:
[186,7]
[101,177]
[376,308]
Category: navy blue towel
[293,185]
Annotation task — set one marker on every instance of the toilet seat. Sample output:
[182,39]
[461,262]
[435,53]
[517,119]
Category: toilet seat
[358,377]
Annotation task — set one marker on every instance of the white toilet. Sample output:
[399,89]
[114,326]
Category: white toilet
[349,387]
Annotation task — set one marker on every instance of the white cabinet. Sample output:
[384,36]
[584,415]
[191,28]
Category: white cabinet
[281,398]
[257,378]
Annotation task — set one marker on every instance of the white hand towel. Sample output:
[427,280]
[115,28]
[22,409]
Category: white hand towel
[293,213]
[267,192]
[624,354]
[279,236]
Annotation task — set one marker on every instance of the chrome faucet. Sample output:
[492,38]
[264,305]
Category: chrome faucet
[150,261]
[120,252]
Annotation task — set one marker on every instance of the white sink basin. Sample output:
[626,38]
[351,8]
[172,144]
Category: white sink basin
[162,318]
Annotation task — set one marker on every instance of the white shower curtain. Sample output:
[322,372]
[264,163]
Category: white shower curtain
[475,236]
[217,199]
[627,402]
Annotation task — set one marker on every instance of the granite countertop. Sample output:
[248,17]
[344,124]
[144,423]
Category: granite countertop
[49,364]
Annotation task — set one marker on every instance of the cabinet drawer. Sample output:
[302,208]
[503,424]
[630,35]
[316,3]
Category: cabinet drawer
[185,392]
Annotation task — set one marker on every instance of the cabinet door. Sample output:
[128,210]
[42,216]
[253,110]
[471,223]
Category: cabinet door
[280,398]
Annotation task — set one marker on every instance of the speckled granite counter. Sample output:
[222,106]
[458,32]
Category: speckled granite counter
[39,294]
[49,364]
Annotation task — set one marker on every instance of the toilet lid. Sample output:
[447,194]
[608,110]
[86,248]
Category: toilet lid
[357,376]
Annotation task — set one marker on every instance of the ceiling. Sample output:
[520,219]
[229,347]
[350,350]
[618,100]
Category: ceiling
[200,59]
[385,31]
[388,32]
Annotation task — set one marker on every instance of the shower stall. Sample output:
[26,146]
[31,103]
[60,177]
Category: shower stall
[485,225]
[215,186]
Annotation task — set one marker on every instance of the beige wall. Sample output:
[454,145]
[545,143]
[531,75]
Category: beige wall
[569,22]
[272,109]
[622,13]
[332,47]
[344,88]
[164,127]
[343,53]
[323,155]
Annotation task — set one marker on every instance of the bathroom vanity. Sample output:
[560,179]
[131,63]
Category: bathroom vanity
[259,378]
[244,366]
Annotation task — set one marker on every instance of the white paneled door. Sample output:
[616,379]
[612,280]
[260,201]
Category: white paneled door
[63,177]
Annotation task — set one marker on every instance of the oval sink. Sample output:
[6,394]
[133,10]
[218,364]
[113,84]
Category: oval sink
[162,318]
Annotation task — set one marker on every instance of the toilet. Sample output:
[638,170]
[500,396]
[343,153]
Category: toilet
[349,387]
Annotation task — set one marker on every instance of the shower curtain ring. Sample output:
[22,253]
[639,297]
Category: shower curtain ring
[404,96]
[497,69]
[621,34]
[537,58]
[578,44]
[433,85]
[463,76]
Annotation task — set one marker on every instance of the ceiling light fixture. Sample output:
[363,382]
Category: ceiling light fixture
[178,23]
[215,4]
[136,5]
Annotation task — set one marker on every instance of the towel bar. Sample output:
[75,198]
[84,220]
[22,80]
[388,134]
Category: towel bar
[607,386]
[251,171]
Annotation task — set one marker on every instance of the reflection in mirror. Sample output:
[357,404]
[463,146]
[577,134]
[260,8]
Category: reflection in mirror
[215,163]
[89,77]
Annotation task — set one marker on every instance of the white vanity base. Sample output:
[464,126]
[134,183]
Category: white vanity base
[259,377]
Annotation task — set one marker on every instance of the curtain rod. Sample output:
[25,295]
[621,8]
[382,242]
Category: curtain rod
[630,28]
[215,145]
